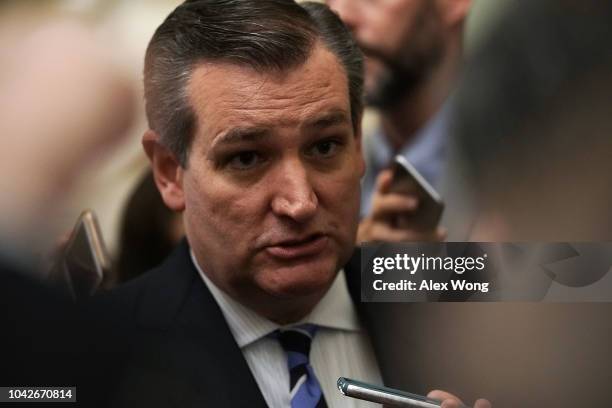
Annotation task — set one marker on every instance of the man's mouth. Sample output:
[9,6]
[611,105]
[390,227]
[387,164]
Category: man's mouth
[292,248]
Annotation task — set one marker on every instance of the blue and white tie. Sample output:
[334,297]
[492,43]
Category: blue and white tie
[304,388]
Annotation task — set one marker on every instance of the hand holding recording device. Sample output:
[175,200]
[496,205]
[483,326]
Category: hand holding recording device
[84,260]
[407,180]
[383,395]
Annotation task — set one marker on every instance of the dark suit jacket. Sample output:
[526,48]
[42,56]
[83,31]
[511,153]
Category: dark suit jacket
[172,344]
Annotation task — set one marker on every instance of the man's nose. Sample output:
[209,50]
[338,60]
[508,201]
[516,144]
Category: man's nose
[294,196]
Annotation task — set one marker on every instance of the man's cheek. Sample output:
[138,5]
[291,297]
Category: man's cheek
[221,206]
[349,184]
[343,196]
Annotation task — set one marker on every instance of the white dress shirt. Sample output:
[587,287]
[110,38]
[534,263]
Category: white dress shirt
[340,347]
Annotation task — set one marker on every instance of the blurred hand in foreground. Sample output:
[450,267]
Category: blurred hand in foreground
[64,105]
[450,401]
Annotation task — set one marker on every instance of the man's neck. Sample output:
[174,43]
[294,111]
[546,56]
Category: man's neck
[402,121]
[284,311]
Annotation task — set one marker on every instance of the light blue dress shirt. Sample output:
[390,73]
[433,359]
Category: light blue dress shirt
[426,151]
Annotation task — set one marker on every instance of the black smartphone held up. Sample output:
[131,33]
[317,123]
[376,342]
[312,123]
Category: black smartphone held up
[387,396]
[84,260]
[407,180]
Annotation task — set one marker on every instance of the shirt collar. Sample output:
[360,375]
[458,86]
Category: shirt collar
[334,311]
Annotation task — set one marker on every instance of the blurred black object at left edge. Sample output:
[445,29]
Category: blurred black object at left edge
[48,341]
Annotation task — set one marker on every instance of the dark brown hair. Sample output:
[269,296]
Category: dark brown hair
[267,35]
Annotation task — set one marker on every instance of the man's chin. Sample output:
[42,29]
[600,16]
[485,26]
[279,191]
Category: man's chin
[388,82]
[299,280]
[389,89]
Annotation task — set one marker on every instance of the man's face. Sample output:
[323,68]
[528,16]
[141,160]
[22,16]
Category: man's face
[402,39]
[271,188]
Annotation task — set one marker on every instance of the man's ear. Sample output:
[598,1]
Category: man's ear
[167,171]
[454,12]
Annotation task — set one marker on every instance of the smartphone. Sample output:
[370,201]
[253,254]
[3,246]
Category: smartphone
[383,395]
[84,260]
[407,180]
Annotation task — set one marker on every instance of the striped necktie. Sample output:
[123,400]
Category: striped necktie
[305,390]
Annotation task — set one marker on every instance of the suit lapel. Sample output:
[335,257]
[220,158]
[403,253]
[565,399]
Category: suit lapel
[196,345]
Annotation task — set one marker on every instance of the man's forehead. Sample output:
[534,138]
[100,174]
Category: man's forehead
[223,93]
[253,133]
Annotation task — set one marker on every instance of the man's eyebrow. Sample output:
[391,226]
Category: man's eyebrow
[256,133]
[333,118]
[242,134]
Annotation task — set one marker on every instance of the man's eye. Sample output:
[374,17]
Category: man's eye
[244,160]
[324,148]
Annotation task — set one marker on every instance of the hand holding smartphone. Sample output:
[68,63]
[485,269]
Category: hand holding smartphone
[407,180]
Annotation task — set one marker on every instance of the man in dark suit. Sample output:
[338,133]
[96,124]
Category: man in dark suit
[254,109]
